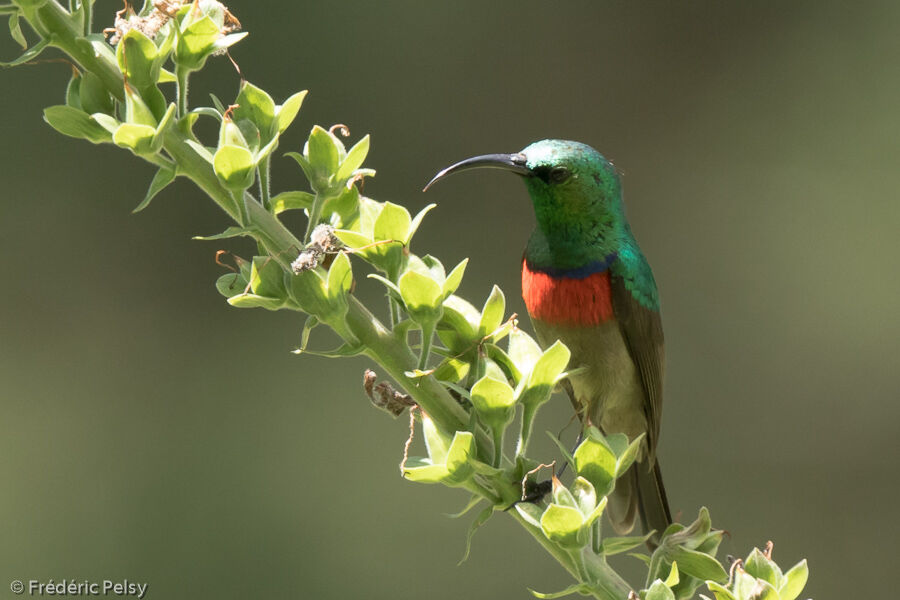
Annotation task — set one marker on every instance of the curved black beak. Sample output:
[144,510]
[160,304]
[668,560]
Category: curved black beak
[508,162]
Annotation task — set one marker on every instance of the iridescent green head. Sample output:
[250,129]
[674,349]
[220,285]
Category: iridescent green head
[577,199]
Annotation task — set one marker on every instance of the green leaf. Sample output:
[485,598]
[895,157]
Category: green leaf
[584,495]
[719,591]
[595,462]
[563,497]
[16,31]
[137,57]
[322,153]
[164,176]
[195,43]
[480,520]
[564,526]
[234,167]
[287,112]
[392,223]
[673,578]
[544,375]
[492,313]
[523,350]
[28,54]
[436,443]
[292,201]
[794,581]
[451,370]
[267,278]
[659,591]
[696,564]
[228,41]
[255,301]
[137,138]
[530,512]
[576,588]
[230,232]
[93,95]
[417,220]
[762,568]
[626,458]
[493,399]
[351,239]
[454,278]
[616,545]
[75,123]
[355,157]
[340,277]
[474,500]
[421,294]
[256,106]
[231,284]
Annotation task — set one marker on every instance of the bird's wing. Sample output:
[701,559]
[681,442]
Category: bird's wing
[634,300]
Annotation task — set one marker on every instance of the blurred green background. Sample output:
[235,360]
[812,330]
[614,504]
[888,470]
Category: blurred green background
[153,433]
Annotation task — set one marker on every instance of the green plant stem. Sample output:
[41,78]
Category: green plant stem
[315,213]
[263,171]
[182,79]
[52,21]
[427,335]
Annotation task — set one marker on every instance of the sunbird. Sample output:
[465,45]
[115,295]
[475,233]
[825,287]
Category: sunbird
[585,282]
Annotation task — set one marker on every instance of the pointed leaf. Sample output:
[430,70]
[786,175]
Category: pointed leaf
[75,123]
[616,545]
[480,520]
[322,152]
[392,223]
[474,500]
[16,31]
[417,220]
[257,106]
[28,54]
[451,283]
[163,177]
[576,588]
[230,232]
[355,157]
[794,581]
[523,350]
[719,591]
[659,591]
[492,313]
[340,277]
[585,496]
[287,112]
[763,568]
[292,201]
[696,564]
[595,462]
[530,512]
[628,457]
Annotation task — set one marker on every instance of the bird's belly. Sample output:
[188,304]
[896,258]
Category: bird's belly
[609,386]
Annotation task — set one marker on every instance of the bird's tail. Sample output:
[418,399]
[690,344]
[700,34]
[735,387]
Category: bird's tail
[640,492]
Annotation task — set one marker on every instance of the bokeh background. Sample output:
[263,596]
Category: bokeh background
[153,433]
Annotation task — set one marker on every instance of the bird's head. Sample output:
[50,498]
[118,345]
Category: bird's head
[576,192]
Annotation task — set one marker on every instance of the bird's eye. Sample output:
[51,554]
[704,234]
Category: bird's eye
[559,174]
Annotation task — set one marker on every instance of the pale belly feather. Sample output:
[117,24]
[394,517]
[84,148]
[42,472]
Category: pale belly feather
[610,384]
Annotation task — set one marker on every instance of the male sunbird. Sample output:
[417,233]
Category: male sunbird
[586,282]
